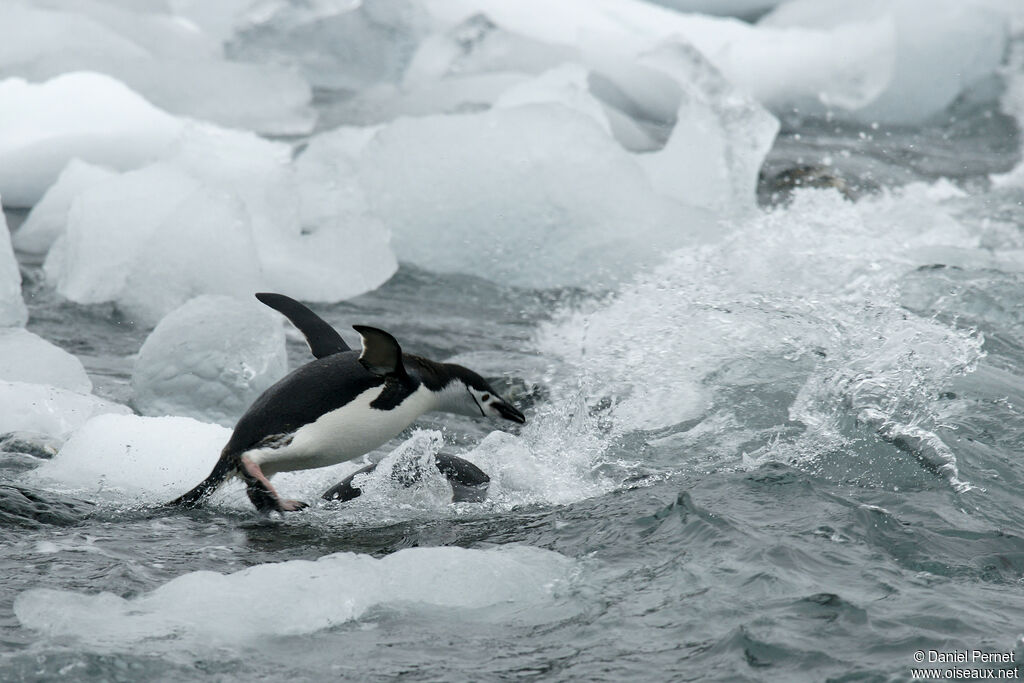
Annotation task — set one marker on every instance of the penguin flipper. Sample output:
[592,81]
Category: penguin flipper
[382,354]
[323,339]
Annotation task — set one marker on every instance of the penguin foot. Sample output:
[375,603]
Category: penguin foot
[291,505]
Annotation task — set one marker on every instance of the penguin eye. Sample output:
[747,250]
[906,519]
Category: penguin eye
[486,397]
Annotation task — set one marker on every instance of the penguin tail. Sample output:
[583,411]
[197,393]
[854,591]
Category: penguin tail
[224,468]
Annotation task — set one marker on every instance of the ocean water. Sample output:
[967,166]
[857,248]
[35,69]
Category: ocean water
[789,454]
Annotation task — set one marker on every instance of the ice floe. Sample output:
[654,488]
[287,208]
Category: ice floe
[213,610]
[223,212]
[209,359]
[49,410]
[134,459]
[12,305]
[27,357]
[86,115]
[168,60]
[48,218]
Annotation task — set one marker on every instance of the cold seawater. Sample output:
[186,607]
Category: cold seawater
[784,448]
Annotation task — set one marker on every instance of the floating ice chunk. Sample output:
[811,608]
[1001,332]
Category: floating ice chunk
[719,142]
[12,306]
[48,218]
[566,85]
[150,240]
[729,8]
[49,410]
[26,357]
[224,212]
[860,60]
[534,196]
[209,359]
[168,61]
[212,610]
[940,48]
[148,459]
[85,115]
[340,45]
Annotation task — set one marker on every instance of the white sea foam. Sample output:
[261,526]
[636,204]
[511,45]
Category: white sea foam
[811,290]
[208,610]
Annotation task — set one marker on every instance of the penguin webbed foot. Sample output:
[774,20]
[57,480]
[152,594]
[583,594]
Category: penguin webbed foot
[262,494]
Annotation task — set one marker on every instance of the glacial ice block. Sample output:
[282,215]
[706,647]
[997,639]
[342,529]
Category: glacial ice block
[48,218]
[721,137]
[223,212]
[535,196]
[170,62]
[27,357]
[49,410]
[150,240]
[12,306]
[939,48]
[149,459]
[85,115]
[209,359]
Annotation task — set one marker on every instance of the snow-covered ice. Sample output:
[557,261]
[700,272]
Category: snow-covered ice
[209,359]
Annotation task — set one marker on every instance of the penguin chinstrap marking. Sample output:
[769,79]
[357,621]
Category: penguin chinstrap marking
[339,407]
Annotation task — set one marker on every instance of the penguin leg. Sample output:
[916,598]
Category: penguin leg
[262,493]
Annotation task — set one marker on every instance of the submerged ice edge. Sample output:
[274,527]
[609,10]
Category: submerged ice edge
[206,609]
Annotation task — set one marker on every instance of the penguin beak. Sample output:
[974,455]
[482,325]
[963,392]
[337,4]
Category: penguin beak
[508,411]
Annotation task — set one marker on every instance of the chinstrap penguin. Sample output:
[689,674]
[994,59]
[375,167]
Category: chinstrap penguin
[338,407]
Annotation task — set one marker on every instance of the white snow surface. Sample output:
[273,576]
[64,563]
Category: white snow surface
[213,610]
[27,357]
[209,359]
[46,409]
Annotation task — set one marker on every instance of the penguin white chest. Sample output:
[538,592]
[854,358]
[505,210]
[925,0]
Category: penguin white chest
[344,433]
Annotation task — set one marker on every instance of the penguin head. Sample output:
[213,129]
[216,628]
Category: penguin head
[467,393]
